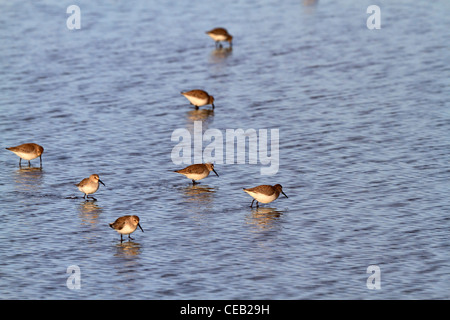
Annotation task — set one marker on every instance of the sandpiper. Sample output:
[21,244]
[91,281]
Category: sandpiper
[265,193]
[28,151]
[220,34]
[89,185]
[126,225]
[199,98]
[197,171]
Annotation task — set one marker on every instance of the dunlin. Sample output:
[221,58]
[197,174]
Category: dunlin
[126,225]
[197,171]
[265,193]
[28,151]
[89,185]
[199,98]
[220,34]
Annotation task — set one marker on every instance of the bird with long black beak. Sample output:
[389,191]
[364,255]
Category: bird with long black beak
[265,193]
[89,185]
[126,225]
[199,98]
[197,172]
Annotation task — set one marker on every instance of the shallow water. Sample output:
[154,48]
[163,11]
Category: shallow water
[364,123]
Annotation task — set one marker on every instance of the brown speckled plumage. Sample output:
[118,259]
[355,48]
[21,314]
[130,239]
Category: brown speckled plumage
[28,151]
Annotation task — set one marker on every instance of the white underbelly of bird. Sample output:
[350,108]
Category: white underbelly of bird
[218,37]
[89,189]
[26,155]
[197,176]
[127,229]
[199,102]
[262,197]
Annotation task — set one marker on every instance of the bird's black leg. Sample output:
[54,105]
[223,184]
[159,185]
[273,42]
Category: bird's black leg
[251,206]
[40,157]
[121,239]
[130,237]
[257,204]
[29,163]
[20,162]
[194,183]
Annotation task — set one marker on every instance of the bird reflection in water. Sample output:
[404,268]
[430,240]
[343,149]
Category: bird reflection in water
[220,54]
[127,249]
[200,114]
[89,212]
[206,116]
[199,193]
[308,3]
[29,178]
[198,202]
[264,218]
[218,61]
[309,6]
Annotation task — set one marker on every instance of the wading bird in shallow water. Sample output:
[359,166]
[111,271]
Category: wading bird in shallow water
[220,34]
[89,185]
[126,225]
[28,151]
[197,172]
[265,193]
[199,98]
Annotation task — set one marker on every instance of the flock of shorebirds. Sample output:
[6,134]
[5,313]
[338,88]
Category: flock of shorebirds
[128,224]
